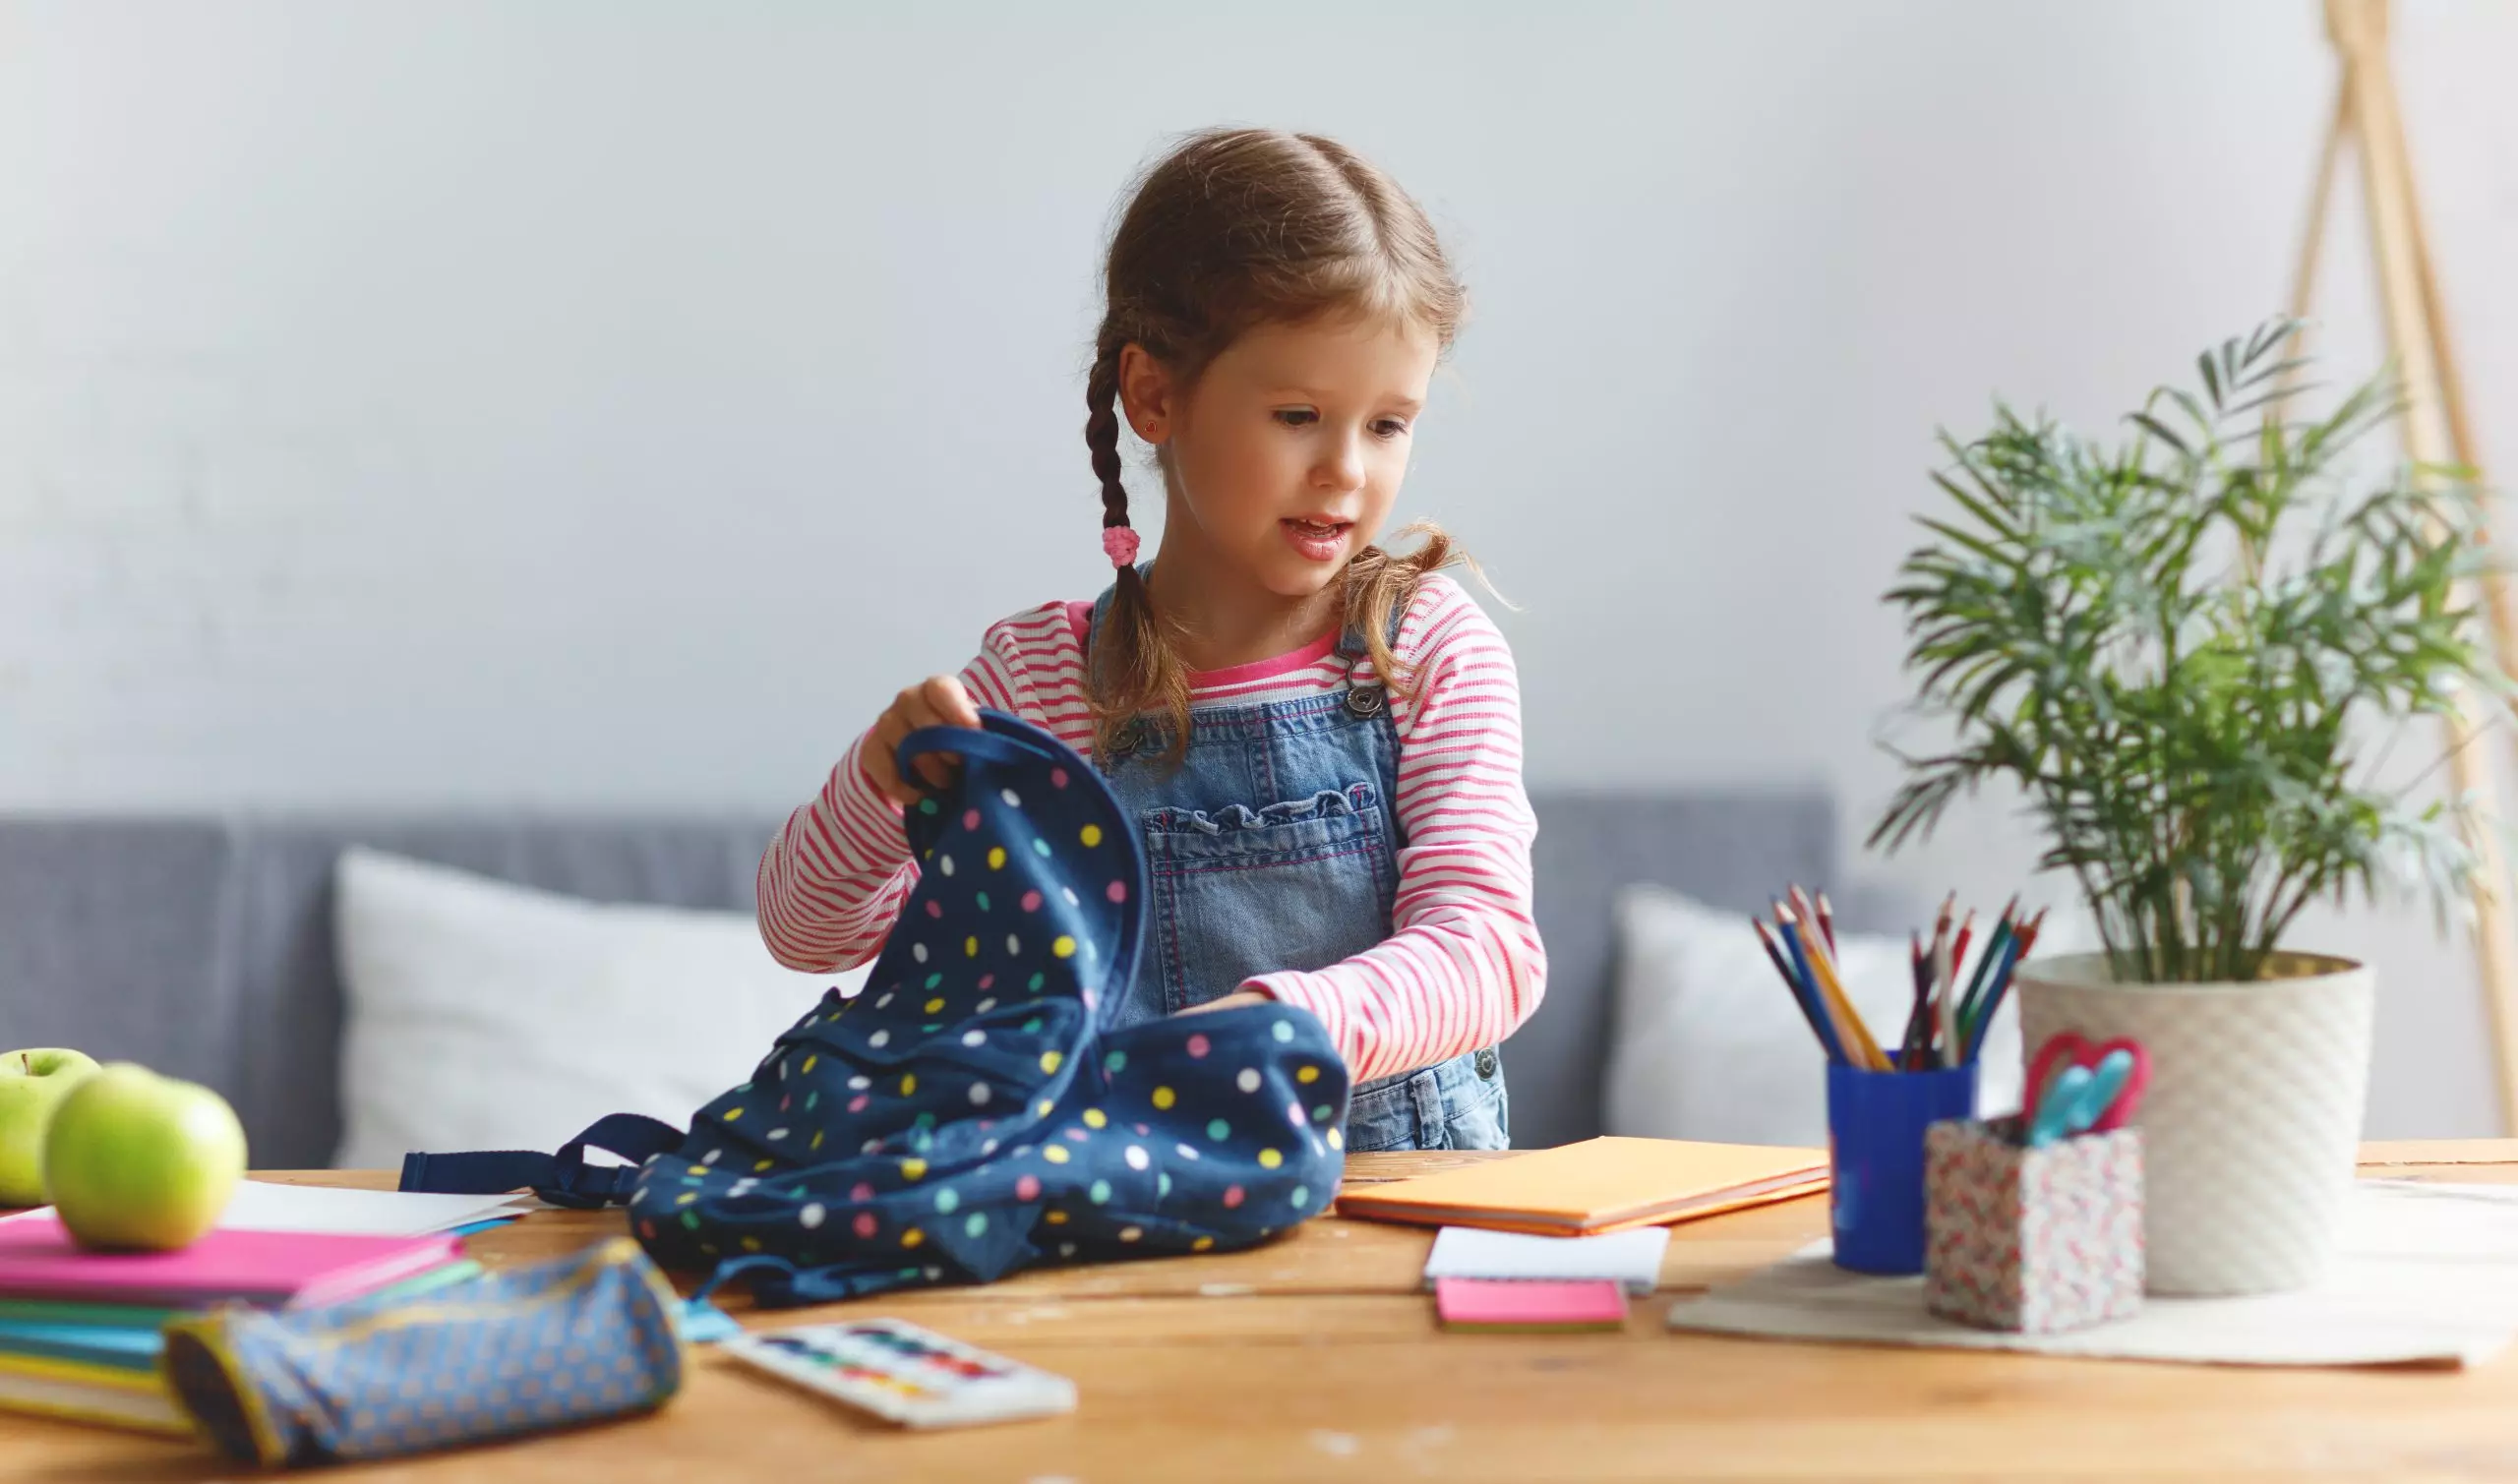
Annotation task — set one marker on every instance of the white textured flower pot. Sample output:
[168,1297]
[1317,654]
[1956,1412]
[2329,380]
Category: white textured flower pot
[2253,1120]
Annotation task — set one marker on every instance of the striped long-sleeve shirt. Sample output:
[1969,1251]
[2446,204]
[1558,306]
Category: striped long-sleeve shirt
[1463,965]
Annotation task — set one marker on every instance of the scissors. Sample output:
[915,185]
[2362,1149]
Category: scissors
[2075,1087]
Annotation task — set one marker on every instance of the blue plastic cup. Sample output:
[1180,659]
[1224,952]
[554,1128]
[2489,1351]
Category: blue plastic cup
[1875,1122]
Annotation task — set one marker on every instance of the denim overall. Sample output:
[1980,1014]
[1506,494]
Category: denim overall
[1272,844]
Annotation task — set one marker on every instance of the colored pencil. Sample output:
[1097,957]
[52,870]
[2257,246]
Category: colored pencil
[1792,982]
[1973,1028]
[1831,1031]
[1822,968]
[1774,955]
[1840,1045]
[1808,913]
[2021,942]
[1910,1047]
[1942,974]
[1947,1021]
[1945,1033]
[1788,931]
[1958,962]
[1858,1042]
[2004,926]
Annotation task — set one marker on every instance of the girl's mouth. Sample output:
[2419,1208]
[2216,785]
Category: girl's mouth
[1318,540]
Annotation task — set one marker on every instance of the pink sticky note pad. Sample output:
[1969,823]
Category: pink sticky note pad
[1474,1303]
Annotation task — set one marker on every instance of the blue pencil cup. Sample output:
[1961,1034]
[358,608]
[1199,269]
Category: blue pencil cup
[1876,1123]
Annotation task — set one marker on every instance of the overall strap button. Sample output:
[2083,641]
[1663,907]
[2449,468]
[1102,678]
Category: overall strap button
[1486,1064]
[1364,700]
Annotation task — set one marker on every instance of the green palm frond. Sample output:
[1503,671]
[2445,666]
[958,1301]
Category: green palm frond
[2174,648]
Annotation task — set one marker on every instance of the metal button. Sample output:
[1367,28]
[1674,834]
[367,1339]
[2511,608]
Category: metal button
[1486,1064]
[1364,700]
[1129,736]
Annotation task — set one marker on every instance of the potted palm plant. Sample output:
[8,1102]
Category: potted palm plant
[2187,651]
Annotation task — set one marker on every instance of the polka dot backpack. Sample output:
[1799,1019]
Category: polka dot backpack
[967,1114]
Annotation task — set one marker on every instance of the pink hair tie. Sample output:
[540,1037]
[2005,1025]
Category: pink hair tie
[1120,544]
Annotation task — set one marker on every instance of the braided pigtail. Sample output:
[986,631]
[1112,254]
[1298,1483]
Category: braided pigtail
[1134,667]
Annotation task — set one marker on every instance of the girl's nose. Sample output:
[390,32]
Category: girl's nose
[1340,467]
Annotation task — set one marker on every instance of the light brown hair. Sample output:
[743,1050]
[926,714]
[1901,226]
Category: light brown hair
[1233,229]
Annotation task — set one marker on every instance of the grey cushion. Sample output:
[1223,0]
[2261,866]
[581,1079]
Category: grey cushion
[111,938]
[1731,851]
[204,947]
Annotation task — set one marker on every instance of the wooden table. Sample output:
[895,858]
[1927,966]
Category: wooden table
[1317,1358]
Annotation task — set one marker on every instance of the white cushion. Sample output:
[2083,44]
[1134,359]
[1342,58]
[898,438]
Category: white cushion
[1708,1044]
[486,1016]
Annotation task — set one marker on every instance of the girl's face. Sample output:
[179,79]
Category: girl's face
[1287,454]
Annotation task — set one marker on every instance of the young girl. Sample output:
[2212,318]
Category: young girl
[1321,739]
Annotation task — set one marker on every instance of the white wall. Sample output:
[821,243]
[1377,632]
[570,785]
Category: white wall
[578,404]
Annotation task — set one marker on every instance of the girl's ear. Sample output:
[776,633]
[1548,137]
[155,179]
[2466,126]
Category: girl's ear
[1145,393]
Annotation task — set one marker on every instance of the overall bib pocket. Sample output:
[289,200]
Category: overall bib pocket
[1240,892]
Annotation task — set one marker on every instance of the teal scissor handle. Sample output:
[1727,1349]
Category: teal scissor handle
[2058,1104]
[2107,1078]
[2078,1096]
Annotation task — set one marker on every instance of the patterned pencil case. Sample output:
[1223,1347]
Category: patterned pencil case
[2037,1239]
[577,1340]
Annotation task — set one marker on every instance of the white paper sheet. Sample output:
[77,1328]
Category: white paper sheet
[265,1205]
[268,1206]
[2427,1272]
[1632,1258]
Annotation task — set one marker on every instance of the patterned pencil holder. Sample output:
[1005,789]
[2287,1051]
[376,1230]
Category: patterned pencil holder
[2032,1240]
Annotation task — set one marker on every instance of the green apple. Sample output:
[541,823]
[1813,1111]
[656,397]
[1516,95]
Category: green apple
[138,1161]
[31,1085]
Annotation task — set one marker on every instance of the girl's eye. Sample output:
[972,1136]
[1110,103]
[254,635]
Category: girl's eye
[1296,417]
[1390,427]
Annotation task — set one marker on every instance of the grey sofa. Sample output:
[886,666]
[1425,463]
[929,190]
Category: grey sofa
[203,946]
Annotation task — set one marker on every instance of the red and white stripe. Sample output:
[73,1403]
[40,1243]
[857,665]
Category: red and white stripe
[1462,967]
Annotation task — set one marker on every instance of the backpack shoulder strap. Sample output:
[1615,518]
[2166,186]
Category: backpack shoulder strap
[564,1178]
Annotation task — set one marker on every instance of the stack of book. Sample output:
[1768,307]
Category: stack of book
[80,1332]
[1556,1240]
[1503,1280]
[1599,1185]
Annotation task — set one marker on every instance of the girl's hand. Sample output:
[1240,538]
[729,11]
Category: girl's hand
[936,701]
[1233,1001]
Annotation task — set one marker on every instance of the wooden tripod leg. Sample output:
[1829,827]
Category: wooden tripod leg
[2360,32]
[2304,286]
[2494,582]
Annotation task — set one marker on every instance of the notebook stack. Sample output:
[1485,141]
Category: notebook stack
[1596,1186]
[1553,1242]
[1503,1282]
[80,1332]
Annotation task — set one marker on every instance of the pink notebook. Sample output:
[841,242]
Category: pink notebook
[1526,1305]
[37,1260]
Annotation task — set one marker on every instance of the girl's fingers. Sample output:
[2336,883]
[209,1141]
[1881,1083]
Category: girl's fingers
[1233,1001]
[950,703]
[876,759]
[934,767]
[938,768]
[937,701]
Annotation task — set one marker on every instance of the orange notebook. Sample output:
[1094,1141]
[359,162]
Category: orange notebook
[1599,1185]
